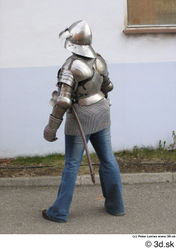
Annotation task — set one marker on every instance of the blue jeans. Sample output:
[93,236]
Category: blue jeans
[108,171]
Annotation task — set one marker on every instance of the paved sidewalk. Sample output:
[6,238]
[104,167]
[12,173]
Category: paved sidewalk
[150,209]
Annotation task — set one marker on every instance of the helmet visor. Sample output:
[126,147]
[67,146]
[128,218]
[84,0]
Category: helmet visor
[83,50]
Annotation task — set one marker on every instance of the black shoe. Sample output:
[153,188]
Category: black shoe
[120,214]
[45,216]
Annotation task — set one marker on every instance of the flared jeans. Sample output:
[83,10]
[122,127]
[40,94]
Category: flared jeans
[108,171]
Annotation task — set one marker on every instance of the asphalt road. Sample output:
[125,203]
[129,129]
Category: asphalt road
[150,209]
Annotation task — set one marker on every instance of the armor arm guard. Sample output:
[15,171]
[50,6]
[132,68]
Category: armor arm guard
[107,85]
[60,104]
[101,66]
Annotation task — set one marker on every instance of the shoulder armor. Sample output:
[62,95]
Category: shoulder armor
[81,69]
[68,62]
[65,75]
[101,66]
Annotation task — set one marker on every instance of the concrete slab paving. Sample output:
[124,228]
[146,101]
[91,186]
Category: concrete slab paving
[150,209]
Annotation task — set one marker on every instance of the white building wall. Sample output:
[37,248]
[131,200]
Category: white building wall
[142,68]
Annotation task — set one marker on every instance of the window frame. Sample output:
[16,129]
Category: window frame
[147,28]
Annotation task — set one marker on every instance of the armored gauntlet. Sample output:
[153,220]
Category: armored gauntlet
[51,129]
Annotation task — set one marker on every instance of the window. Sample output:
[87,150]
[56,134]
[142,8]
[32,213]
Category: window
[150,16]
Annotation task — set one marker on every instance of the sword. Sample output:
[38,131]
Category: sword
[85,145]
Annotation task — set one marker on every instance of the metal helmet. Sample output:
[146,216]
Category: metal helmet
[78,39]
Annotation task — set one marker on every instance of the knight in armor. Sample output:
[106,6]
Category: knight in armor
[83,83]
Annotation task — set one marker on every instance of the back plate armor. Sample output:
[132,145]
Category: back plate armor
[89,75]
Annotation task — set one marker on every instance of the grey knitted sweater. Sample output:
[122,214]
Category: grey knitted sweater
[93,118]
